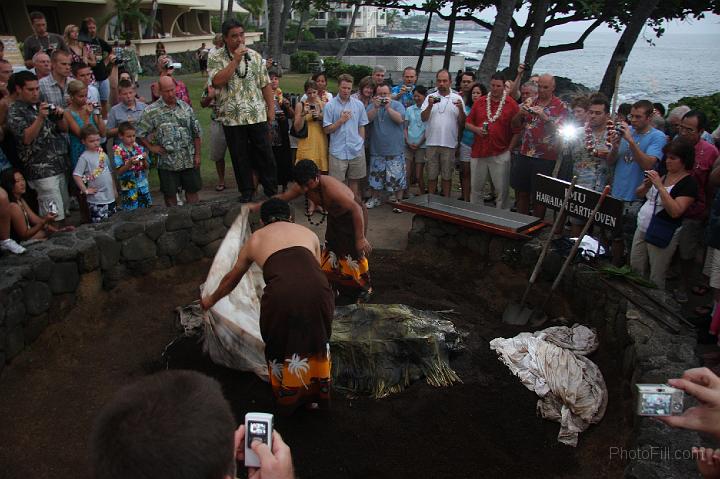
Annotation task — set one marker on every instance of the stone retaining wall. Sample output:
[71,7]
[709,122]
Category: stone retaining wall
[42,285]
[650,354]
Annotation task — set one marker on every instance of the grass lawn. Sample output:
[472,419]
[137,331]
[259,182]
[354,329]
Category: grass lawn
[289,83]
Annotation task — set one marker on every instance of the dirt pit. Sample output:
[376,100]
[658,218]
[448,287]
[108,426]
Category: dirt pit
[485,426]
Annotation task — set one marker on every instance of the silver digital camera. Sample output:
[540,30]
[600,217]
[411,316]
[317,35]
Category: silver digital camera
[659,400]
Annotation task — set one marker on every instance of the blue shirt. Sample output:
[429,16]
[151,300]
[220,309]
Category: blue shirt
[386,138]
[415,125]
[628,174]
[345,142]
[468,137]
[407,99]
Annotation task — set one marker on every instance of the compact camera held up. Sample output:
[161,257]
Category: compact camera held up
[659,400]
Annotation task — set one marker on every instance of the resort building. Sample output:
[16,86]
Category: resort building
[367,23]
[182,25]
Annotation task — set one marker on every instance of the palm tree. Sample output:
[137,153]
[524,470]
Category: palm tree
[126,13]
[255,8]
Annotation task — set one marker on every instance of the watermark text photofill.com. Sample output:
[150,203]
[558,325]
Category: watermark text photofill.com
[651,453]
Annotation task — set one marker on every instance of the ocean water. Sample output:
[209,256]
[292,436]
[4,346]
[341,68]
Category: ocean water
[676,66]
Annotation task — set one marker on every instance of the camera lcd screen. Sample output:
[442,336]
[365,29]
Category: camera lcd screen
[257,429]
[656,404]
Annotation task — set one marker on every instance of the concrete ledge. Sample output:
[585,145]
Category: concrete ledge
[42,285]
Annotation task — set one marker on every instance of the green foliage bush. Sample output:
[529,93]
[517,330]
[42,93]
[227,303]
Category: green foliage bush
[334,68]
[301,60]
[710,105]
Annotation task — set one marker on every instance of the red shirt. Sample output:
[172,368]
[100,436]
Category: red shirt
[500,133]
[705,156]
[539,138]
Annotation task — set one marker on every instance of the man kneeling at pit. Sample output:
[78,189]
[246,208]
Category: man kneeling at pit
[177,424]
[296,309]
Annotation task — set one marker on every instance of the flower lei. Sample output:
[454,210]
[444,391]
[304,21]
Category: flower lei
[492,118]
[590,145]
[97,171]
[136,153]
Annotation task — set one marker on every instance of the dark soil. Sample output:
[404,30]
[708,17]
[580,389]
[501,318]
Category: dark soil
[485,426]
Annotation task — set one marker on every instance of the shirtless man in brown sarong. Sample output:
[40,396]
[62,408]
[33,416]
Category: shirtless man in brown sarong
[296,309]
[344,255]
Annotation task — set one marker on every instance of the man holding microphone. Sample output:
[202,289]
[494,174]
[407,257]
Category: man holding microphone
[245,107]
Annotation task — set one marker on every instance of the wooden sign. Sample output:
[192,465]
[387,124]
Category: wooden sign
[551,192]
[12,51]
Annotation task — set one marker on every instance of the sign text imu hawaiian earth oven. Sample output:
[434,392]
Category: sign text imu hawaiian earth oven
[551,192]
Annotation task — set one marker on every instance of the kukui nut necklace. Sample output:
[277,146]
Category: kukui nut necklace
[245,59]
[309,215]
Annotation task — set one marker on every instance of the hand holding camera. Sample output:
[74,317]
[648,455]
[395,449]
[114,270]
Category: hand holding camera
[704,385]
[433,99]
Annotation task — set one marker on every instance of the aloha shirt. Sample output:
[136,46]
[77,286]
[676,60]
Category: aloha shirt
[240,101]
[175,129]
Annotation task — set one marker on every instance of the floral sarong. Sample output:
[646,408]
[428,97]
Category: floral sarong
[346,270]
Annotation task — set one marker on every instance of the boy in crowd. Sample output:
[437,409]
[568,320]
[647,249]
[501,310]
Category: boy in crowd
[415,139]
[92,176]
[131,165]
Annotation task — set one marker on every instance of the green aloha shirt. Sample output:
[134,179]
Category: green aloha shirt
[240,101]
[175,129]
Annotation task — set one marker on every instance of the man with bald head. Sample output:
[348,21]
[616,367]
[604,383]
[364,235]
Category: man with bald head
[176,133]
[41,60]
[538,117]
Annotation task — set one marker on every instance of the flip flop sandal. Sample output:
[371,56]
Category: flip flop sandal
[220,188]
[700,290]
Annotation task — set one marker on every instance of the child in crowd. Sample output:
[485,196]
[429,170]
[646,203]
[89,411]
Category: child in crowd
[415,140]
[92,176]
[131,165]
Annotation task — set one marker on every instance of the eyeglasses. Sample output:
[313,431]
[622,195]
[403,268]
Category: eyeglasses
[685,129]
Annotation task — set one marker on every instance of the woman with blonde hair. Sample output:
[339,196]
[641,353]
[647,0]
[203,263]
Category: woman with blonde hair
[79,52]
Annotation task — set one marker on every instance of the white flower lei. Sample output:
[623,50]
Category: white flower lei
[498,112]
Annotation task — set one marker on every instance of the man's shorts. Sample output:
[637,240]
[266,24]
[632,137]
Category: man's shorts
[352,169]
[387,173]
[218,145]
[465,153]
[170,181]
[690,238]
[711,269]
[104,89]
[100,213]
[416,156]
[52,189]
[524,169]
[440,161]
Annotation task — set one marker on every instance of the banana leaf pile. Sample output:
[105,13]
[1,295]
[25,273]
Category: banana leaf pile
[377,349]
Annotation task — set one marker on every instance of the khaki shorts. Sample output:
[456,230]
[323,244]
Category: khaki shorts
[711,269]
[352,169]
[218,145]
[416,156]
[440,161]
[691,238]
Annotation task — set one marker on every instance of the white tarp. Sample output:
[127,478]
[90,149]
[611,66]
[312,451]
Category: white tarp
[232,327]
[552,363]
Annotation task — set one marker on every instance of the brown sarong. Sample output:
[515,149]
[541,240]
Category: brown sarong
[347,271]
[296,313]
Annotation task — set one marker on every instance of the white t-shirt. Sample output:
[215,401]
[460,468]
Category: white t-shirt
[89,164]
[441,129]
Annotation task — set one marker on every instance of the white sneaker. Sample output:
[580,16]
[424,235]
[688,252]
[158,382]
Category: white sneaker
[372,203]
[11,246]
